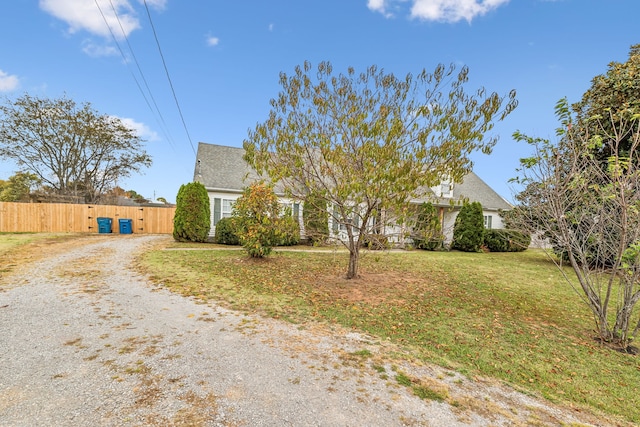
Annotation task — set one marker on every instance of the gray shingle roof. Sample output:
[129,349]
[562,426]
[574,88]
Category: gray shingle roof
[474,189]
[222,168]
[219,167]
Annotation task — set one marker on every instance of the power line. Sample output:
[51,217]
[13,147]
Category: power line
[162,122]
[155,35]
[157,111]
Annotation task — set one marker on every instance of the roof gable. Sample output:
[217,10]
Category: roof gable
[222,168]
[474,189]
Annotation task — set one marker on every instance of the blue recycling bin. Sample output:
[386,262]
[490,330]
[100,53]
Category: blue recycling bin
[104,225]
[125,226]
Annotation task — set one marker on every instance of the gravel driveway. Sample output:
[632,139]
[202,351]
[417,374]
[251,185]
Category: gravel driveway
[85,341]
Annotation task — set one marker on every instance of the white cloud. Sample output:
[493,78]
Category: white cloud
[380,6]
[142,130]
[376,5]
[8,82]
[84,15]
[90,15]
[98,50]
[156,4]
[212,41]
[270,27]
[441,10]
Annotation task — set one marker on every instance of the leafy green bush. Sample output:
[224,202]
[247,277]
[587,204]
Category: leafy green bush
[427,231]
[226,232]
[502,240]
[289,230]
[256,216]
[315,218]
[468,229]
[192,220]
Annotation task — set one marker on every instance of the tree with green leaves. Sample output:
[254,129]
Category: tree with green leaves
[18,187]
[256,219]
[367,143]
[589,208]
[192,219]
[468,229]
[612,97]
[71,148]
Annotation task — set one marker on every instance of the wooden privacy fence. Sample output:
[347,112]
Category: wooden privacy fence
[70,218]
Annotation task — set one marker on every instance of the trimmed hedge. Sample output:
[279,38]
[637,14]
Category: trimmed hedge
[192,220]
[502,240]
[226,233]
[468,229]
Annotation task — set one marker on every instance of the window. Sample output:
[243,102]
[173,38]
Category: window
[222,208]
[487,222]
[338,225]
[227,207]
[445,189]
[293,207]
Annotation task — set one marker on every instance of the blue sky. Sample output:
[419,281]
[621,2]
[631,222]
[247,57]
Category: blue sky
[223,59]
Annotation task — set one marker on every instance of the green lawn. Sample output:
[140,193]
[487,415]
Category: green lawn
[505,315]
[9,241]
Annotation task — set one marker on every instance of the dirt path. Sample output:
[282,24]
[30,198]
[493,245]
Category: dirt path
[85,341]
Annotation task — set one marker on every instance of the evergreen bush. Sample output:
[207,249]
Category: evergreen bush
[376,242]
[315,218]
[226,232]
[427,232]
[468,229]
[289,230]
[503,240]
[192,220]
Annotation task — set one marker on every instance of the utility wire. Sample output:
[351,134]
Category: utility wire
[155,35]
[164,129]
[162,122]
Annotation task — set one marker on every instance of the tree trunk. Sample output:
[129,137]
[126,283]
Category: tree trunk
[354,258]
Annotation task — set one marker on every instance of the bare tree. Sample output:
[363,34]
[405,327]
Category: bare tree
[590,211]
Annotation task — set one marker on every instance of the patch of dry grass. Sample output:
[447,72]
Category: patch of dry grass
[504,315]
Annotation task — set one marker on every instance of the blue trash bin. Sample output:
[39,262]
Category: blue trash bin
[104,225]
[125,226]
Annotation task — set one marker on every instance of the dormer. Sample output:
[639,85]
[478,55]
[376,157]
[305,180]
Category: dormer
[445,189]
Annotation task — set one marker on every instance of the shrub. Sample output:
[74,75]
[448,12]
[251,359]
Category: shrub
[315,218]
[192,220]
[468,229]
[256,216]
[376,242]
[288,230]
[226,232]
[427,232]
[506,240]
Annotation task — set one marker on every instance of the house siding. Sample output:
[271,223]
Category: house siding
[224,173]
[216,202]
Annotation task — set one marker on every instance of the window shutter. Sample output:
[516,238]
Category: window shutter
[217,210]
[334,221]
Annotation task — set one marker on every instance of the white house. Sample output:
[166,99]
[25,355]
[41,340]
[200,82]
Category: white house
[224,173]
